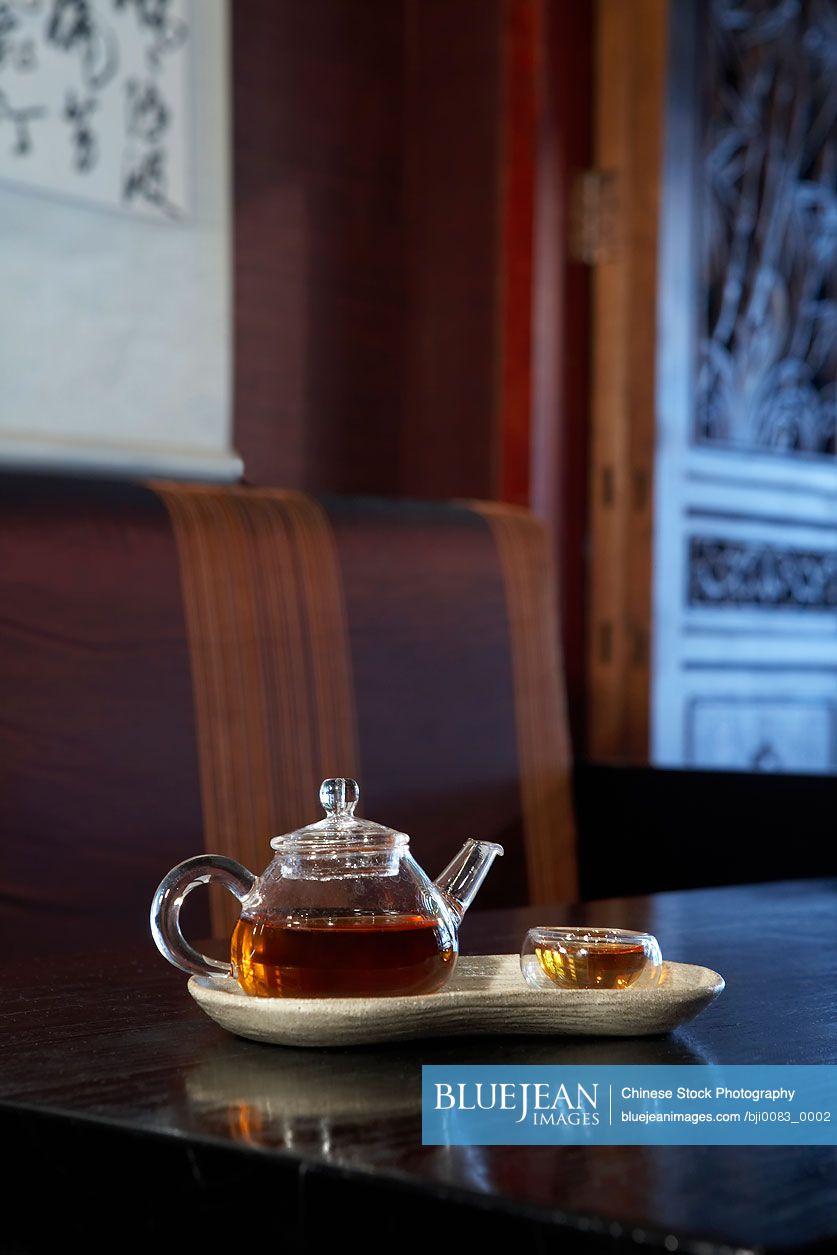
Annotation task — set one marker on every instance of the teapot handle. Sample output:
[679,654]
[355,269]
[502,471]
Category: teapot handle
[165,908]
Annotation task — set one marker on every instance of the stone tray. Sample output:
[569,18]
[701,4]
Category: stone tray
[485,995]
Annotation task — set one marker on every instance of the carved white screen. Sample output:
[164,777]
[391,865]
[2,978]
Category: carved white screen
[745,544]
[115,335]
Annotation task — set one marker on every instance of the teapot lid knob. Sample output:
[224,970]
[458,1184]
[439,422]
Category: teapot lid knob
[339,796]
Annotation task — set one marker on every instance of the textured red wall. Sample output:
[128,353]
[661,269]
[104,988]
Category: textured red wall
[367,208]
[409,320]
[318,114]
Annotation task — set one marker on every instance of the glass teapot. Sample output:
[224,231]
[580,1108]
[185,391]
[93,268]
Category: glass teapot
[343,910]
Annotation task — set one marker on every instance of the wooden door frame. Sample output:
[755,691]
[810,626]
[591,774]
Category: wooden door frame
[630,93]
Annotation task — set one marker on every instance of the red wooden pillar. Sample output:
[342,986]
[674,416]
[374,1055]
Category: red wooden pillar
[544,292]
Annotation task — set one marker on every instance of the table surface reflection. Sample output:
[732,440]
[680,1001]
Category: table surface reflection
[111,1079]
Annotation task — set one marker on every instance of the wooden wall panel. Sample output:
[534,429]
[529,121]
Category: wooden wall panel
[525,97]
[452,188]
[409,320]
[319,277]
[384,183]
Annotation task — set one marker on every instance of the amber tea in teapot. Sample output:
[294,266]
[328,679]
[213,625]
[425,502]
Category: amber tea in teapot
[340,956]
[343,910]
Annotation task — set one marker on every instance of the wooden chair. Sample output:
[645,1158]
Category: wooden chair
[181,666]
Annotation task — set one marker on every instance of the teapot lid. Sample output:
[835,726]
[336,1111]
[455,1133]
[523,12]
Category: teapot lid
[338,798]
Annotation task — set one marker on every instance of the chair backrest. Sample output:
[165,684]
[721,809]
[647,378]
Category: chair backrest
[181,665]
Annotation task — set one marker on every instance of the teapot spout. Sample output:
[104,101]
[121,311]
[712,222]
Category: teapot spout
[464,874]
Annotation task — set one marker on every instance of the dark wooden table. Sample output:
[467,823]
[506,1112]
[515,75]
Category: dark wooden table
[132,1119]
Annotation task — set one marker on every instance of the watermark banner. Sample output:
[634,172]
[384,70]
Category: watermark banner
[636,1105]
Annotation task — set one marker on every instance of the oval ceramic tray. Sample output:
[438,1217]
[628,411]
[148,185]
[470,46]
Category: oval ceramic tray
[485,994]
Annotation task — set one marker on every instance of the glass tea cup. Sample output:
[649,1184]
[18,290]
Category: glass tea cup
[590,958]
